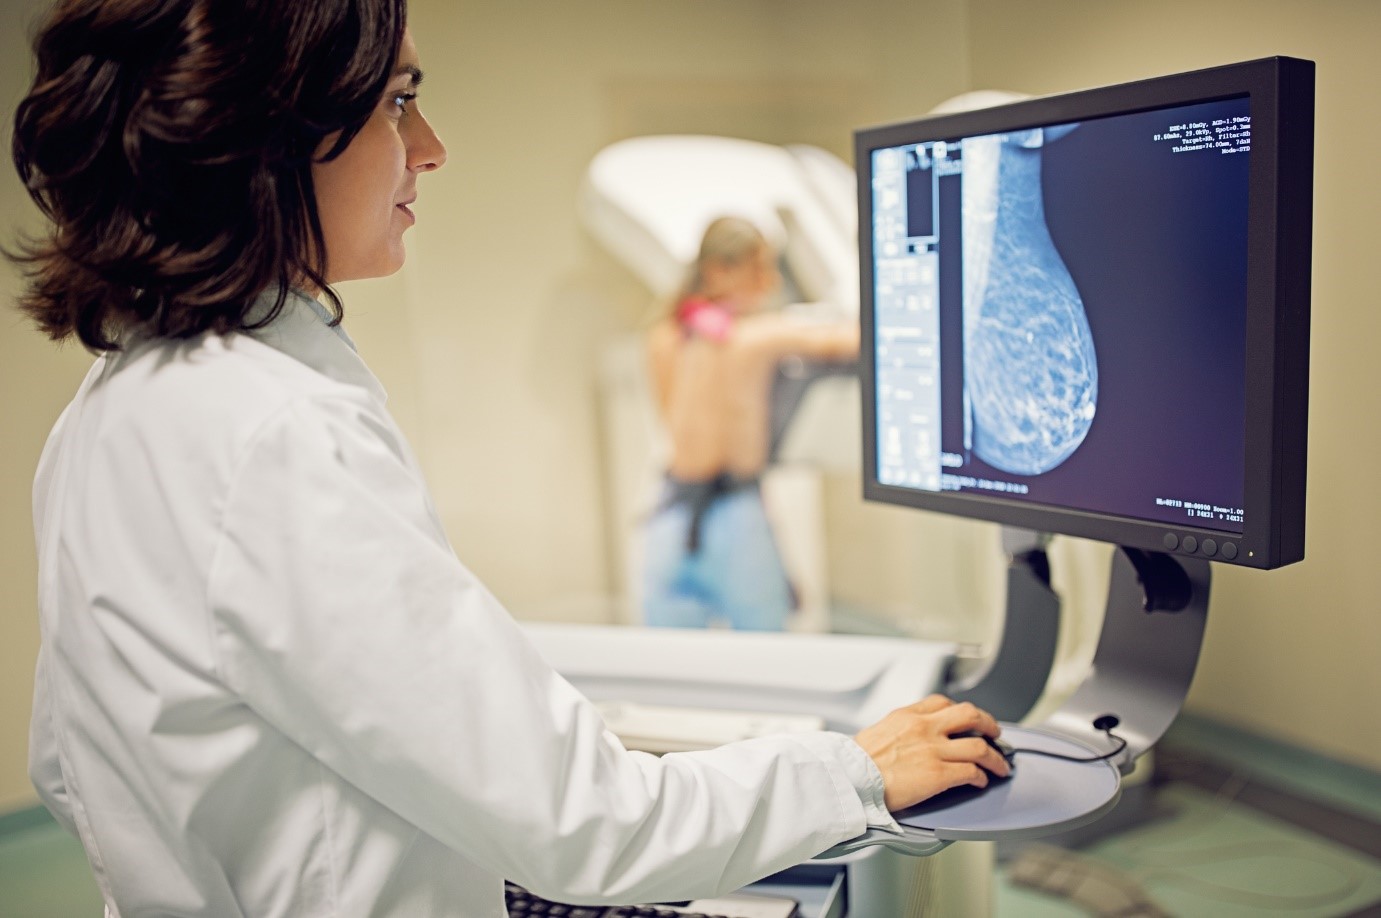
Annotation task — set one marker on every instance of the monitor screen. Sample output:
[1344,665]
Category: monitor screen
[1088,314]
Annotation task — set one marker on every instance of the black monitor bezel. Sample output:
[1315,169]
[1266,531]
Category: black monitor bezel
[1279,242]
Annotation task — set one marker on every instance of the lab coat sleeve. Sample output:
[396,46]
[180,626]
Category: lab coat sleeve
[340,614]
[45,770]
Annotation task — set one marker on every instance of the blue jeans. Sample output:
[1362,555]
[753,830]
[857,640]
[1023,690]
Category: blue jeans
[734,575]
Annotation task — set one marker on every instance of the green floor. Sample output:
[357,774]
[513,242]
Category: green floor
[1222,859]
[1206,850]
[1207,847]
[43,872]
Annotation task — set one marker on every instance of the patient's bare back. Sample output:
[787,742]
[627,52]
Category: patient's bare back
[714,395]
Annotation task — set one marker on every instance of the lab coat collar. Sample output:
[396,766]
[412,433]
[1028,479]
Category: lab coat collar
[302,331]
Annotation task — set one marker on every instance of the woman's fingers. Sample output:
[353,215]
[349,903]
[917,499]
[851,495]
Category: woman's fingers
[919,753]
[957,774]
[931,703]
[976,750]
[965,717]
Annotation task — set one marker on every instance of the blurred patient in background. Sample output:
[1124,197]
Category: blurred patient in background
[710,552]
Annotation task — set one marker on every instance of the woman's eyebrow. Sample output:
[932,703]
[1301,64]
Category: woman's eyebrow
[411,70]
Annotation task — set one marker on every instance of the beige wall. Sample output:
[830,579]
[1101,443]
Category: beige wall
[488,340]
[513,300]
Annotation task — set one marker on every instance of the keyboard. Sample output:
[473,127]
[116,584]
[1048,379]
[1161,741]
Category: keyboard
[524,904]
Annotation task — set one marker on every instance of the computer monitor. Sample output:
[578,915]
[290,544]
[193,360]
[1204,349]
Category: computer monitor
[1088,313]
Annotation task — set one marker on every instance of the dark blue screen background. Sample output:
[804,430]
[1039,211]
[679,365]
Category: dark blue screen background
[1156,242]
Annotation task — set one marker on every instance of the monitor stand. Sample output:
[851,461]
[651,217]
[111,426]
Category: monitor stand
[1009,682]
[1141,671]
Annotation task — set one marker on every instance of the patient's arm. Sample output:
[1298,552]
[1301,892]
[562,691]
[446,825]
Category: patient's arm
[774,336]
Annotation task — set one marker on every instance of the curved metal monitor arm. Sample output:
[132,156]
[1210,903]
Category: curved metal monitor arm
[1153,628]
[1010,681]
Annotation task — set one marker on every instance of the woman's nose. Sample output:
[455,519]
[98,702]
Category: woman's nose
[426,152]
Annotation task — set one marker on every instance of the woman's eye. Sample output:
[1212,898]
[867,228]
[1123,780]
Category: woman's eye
[402,100]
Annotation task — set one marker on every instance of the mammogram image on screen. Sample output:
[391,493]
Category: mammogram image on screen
[1030,366]
[1059,313]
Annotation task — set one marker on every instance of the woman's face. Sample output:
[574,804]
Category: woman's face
[363,195]
[746,284]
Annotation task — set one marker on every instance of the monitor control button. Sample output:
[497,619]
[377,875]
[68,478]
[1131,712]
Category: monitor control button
[1209,547]
[1229,550]
[1170,541]
[1190,544]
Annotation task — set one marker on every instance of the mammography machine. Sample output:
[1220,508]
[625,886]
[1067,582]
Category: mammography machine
[1084,314]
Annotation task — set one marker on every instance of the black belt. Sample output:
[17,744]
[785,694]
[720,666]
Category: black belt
[700,496]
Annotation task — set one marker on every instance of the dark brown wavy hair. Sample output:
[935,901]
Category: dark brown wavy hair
[170,143]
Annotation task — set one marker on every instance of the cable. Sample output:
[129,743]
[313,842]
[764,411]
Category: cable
[1104,723]
[1074,758]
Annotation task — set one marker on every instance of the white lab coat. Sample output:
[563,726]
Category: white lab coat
[268,687]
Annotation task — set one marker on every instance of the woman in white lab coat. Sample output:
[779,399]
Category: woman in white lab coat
[266,684]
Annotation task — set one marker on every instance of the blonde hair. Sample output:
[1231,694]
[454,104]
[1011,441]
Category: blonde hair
[727,241]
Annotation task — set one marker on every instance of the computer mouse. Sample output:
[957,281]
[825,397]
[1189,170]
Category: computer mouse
[1003,749]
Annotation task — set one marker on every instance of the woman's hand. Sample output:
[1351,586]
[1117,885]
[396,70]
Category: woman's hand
[913,749]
